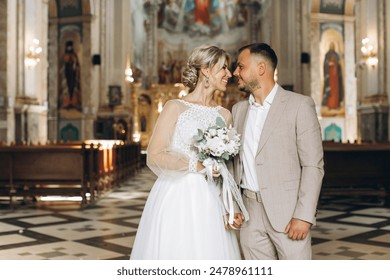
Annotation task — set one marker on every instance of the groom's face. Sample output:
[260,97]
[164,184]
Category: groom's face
[245,73]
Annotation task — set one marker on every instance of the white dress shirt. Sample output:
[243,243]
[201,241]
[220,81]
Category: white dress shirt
[254,126]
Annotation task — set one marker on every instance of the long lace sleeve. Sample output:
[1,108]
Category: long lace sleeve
[161,158]
[227,116]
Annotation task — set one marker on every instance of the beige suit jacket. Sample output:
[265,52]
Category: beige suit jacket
[289,159]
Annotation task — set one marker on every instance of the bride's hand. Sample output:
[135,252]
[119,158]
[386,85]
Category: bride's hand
[237,222]
[216,170]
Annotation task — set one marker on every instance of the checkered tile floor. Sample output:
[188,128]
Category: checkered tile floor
[353,228]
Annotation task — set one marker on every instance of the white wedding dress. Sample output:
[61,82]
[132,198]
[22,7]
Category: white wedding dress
[183,217]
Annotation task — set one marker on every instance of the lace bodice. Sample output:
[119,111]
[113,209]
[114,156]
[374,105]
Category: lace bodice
[188,123]
[169,149]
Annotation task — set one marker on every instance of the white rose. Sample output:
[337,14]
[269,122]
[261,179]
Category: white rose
[232,134]
[216,146]
[221,133]
[213,132]
[231,148]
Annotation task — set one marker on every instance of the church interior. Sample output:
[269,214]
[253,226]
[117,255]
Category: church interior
[82,83]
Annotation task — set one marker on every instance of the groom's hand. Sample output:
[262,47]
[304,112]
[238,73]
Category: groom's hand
[297,229]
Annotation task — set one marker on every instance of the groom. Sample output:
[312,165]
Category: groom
[280,165]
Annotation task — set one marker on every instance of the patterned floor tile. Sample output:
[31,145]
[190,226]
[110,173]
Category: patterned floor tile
[104,213]
[14,239]
[337,231]
[20,212]
[362,220]
[347,228]
[82,230]
[58,251]
[341,250]
[380,212]
[123,241]
[46,219]
[383,238]
[4,227]
[323,213]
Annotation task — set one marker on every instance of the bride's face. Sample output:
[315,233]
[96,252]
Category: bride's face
[220,75]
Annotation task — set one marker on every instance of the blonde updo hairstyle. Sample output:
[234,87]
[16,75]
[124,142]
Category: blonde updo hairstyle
[203,56]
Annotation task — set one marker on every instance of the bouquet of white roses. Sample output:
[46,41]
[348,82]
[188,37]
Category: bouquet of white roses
[215,145]
[217,142]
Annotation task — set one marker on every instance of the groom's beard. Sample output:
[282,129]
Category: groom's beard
[249,87]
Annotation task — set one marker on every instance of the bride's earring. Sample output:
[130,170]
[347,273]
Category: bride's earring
[206,82]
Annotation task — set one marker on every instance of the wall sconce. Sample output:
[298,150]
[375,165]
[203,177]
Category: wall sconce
[129,75]
[368,55]
[33,56]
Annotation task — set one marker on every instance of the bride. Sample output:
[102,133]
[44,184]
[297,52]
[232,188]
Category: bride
[183,217]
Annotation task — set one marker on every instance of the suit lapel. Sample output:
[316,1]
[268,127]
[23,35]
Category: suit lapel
[243,117]
[274,114]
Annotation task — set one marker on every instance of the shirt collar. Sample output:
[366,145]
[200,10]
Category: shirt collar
[268,100]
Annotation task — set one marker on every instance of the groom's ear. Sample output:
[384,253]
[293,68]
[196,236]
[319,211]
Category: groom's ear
[261,67]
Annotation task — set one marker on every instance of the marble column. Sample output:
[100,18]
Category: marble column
[3,71]
[315,70]
[373,100]
[151,75]
[350,97]
[86,77]
[305,76]
[52,121]
[387,55]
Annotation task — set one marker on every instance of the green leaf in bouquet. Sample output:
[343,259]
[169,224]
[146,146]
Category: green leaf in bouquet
[202,156]
[198,137]
[220,122]
[225,156]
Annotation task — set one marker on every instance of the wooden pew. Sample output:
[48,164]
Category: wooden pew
[357,169]
[31,171]
[86,169]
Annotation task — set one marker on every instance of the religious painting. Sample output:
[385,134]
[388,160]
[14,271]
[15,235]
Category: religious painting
[69,133]
[114,95]
[332,57]
[186,24]
[201,17]
[69,80]
[69,8]
[333,80]
[332,7]
[333,133]
[69,129]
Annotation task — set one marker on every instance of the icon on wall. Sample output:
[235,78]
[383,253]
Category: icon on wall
[114,95]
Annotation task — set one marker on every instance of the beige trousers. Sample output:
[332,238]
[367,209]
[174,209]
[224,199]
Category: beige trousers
[259,241]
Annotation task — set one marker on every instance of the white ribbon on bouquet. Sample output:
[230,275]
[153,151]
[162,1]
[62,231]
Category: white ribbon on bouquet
[229,189]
